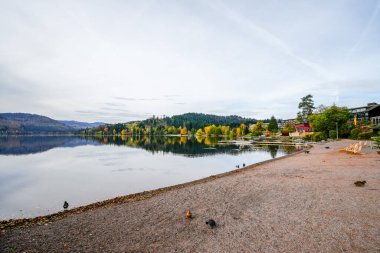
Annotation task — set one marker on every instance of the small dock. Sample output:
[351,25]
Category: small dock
[280,143]
[245,143]
[237,142]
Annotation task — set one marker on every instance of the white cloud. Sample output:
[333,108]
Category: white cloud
[123,60]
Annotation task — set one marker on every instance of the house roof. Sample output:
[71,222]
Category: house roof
[302,125]
[372,107]
[367,108]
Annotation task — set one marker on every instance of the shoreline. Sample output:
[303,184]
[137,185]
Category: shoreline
[11,223]
[303,202]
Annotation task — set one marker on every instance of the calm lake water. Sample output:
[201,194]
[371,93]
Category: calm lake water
[37,174]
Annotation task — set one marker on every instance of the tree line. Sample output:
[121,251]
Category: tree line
[189,124]
[326,122]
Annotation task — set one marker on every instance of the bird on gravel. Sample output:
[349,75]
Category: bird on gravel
[65,205]
[307,151]
[189,215]
[327,147]
[211,223]
[360,183]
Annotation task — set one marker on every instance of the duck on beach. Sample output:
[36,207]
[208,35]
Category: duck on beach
[211,223]
[360,183]
[65,205]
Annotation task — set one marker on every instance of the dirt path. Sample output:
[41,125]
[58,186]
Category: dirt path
[303,203]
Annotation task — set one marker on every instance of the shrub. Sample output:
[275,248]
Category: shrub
[344,133]
[286,139]
[377,140]
[285,133]
[307,137]
[257,133]
[345,130]
[318,137]
[355,133]
[332,134]
[365,135]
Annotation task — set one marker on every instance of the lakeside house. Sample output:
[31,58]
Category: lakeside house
[282,122]
[302,129]
[370,112]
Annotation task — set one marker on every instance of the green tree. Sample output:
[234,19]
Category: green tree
[259,126]
[172,130]
[289,126]
[306,105]
[330,119]
[233,132]
[273,126]
[218,131]
[243,129]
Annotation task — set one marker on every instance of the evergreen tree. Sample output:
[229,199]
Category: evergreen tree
[273,126]
[306,105]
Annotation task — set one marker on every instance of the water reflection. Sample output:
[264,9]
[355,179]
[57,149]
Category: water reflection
[23,145]
[273,151]
[38,173]
[186,146]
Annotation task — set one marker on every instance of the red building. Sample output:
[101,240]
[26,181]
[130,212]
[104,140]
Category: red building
[303,127]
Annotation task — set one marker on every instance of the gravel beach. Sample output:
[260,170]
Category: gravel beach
[302,203]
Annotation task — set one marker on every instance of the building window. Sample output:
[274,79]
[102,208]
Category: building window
[375,120]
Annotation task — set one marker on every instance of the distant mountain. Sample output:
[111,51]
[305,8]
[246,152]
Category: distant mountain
[25,123]
[81,125]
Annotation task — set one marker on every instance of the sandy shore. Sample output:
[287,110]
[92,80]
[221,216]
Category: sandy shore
[303,203]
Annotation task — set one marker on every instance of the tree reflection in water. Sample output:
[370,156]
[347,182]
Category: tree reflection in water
[187,146]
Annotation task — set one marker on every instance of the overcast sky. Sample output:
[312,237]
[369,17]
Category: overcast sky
[116,61]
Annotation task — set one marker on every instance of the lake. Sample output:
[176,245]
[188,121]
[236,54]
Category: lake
[37,174]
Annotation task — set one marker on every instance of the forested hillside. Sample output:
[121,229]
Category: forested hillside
[177,124]
[24,123]
[80,125]
[200,120]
